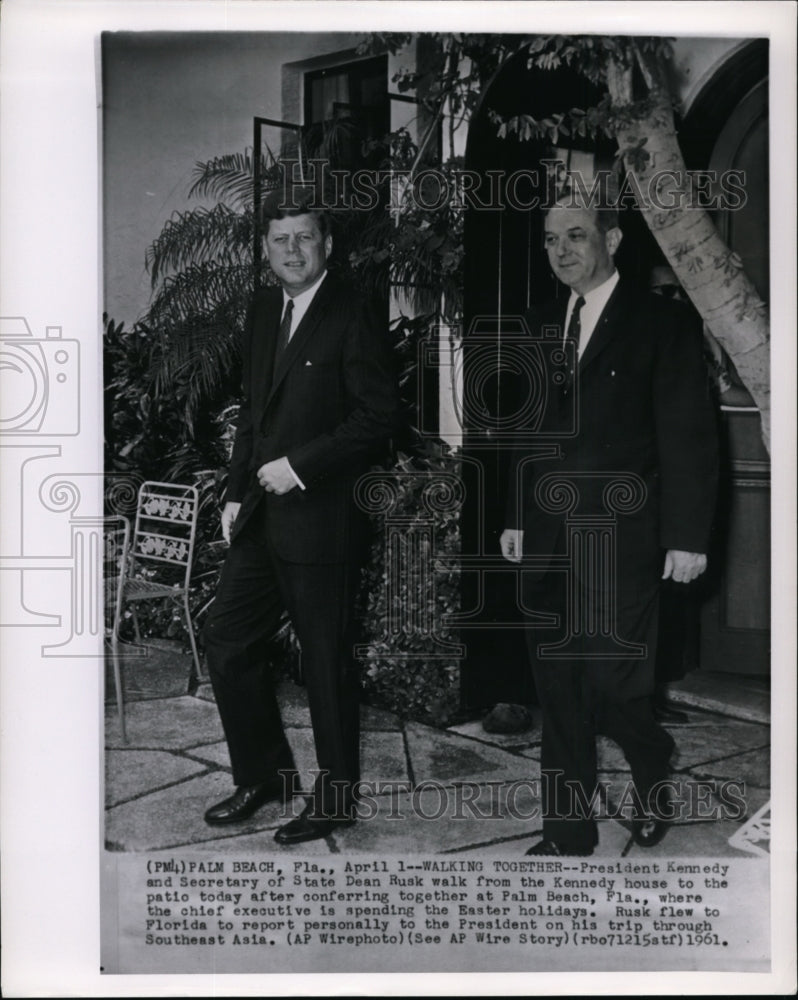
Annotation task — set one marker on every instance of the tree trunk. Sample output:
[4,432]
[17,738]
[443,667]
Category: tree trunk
[711,273]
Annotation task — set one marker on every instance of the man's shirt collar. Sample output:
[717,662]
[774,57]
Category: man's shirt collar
[595,301]
[303,300]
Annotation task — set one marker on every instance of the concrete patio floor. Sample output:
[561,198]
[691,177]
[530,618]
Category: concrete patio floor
[175,764]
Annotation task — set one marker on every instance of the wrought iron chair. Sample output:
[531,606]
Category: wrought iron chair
[115,557]
[161,552]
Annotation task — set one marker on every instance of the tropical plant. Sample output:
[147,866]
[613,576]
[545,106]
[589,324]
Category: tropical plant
[144,438]
[637,113]
[203,271]
[406,607]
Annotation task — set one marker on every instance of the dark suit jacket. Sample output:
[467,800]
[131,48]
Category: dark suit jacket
[329,406]
[643,406]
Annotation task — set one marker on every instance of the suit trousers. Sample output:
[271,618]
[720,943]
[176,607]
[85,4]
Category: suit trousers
[581,697]
[255,588]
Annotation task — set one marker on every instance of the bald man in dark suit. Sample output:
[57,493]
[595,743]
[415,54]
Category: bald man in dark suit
[643,416]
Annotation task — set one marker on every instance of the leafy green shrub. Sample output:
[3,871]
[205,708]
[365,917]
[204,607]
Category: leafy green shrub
[147,437]
[407,667]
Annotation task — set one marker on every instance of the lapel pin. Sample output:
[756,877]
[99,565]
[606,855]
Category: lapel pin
[308,364]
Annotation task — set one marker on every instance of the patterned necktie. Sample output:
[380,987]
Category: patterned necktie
[284,333]
[572,343]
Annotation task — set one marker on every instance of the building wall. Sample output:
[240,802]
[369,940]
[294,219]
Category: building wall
[169,101]
[173,99]
[695,61]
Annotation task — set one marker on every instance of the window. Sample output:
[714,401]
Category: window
[345,106]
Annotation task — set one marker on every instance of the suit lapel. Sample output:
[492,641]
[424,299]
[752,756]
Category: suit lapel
[609,324]
[303,333]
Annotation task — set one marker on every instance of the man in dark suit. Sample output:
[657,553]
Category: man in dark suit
[319,404]
[625,500]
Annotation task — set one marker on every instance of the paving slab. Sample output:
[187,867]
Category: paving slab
[694,744]
[165,724]
[506,741]
[696,840]
[432,820]
[610,756]
[722,738]
[754,799]
[131,773]
[204,692]
[211,753]
[613,839]
[695,718]
[155,669]
[378,719]
[295,712]
[172,817]
[304,751]
[752,767]
[733,695]
[694,800]
[510,848]
[246,845]
[382,756]
[293,705]
[158,786]
[443,756]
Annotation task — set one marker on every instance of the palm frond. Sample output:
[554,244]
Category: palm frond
[196,290]
[200,235]
[195,359]
[231,178]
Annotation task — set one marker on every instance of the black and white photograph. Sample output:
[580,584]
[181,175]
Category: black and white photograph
[398,560]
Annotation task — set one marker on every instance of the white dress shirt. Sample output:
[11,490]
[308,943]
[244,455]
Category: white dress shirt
[595,301]
[301,303]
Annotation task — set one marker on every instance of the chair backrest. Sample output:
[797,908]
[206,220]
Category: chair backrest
[165,528]
[116,547]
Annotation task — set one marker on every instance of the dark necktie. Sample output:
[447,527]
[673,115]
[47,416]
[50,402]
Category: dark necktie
[572,343]
[284,333]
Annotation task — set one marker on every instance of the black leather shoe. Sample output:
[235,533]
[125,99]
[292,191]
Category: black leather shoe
[551,849]
[306,826]
[650,831]
[247,799]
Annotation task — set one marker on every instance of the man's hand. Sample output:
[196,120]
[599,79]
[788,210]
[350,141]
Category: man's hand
[682,567]
[276,476]
[229,514]
[512,541]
